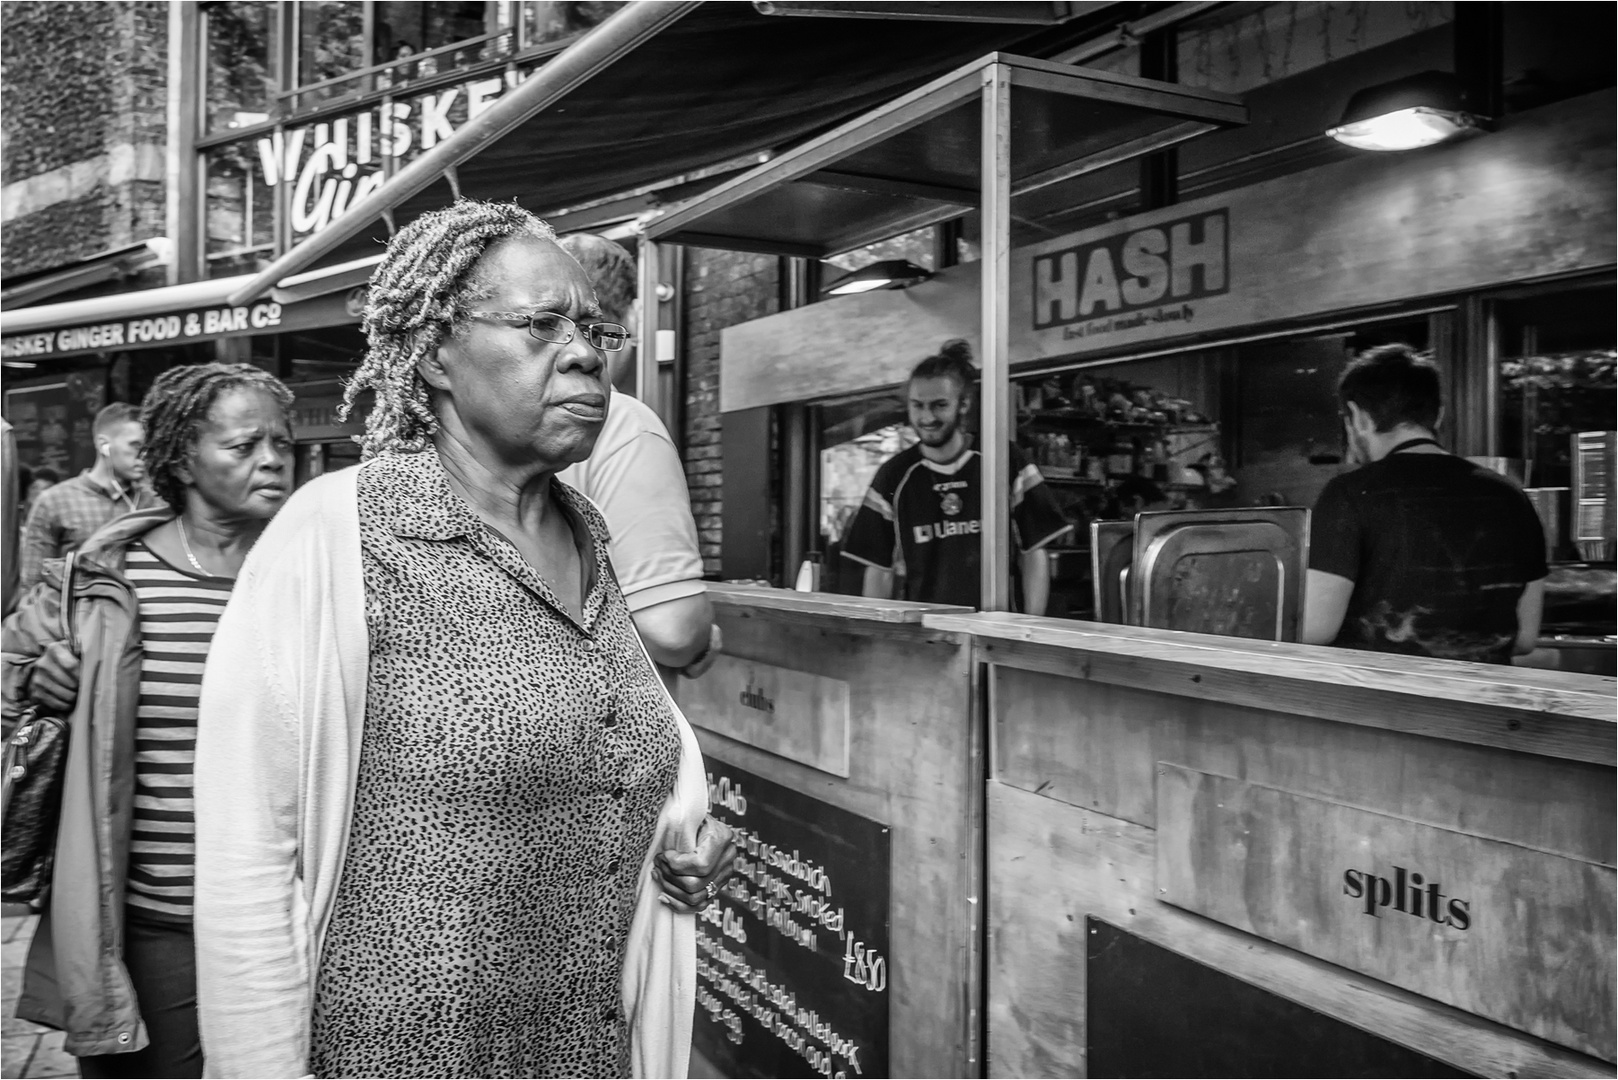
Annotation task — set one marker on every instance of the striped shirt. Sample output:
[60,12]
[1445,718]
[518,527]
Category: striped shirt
[179,611]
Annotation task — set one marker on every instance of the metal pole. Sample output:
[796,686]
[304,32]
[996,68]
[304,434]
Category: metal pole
[994,380]
[646,386]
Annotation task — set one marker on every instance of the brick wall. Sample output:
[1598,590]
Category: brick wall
[723,288]
[83,112]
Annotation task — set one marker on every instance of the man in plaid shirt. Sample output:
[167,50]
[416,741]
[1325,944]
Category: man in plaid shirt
[66,515]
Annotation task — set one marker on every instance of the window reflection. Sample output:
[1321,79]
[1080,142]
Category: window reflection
[240,212]
[546,21]
[240,78]
[331,39]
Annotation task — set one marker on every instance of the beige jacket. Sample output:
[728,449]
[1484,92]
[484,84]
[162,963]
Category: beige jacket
[282,716]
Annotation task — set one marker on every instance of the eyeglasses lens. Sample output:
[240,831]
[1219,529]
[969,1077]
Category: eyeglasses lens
[559,330]
[608,337]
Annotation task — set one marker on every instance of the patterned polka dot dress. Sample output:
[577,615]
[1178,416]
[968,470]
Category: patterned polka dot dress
[511,773]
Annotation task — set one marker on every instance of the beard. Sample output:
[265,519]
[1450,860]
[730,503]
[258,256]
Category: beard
[940,435]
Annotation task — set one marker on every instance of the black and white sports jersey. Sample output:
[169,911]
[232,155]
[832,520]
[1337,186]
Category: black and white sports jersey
[924,520]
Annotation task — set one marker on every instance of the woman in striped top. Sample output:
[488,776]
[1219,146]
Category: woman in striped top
[113,962]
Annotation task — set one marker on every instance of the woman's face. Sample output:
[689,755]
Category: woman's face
[511,396]
[242,465]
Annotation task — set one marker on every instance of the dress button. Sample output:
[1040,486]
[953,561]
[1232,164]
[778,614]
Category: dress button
[610,1016]
[587,645]
[123,1038]
[612,867]
[617,792]
[610,720]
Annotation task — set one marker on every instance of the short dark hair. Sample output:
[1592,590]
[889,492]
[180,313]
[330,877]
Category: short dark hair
[953,360]
[1393,384]
[119,412]
[45,472]
[175,408]
[610,267]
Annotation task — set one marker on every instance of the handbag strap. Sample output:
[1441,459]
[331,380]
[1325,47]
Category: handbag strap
[70,632]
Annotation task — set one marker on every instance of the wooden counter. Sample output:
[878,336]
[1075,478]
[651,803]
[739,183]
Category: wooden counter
[1224,857]
[841,729]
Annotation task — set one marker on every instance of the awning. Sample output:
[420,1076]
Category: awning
[664,88]
[915,161]
[23,289]
[181,315]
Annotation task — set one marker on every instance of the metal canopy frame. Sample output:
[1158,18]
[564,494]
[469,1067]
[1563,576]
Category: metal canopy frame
[1012,92]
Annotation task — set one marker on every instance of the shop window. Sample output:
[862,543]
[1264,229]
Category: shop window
[854,438]
[916,247]
[239,214]
[546,22]
[240,73]
[404,30]
[1241,46]
[331,42]
[1556,377]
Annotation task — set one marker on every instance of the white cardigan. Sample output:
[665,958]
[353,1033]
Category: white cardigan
[278,747]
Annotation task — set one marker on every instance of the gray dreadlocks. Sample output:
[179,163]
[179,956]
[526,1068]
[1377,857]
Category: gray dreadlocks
[419,294]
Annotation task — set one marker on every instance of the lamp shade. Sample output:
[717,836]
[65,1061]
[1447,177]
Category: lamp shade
[1406,114]
[884,274]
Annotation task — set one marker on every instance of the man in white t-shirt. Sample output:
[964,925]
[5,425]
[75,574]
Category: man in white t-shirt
[637,479]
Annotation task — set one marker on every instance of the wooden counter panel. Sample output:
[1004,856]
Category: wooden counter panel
[1506,932]
[857,609]
[1096,745]
[913,753]
[1052,864]
[1554,714]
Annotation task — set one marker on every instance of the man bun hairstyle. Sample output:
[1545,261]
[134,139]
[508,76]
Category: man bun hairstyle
[175,408]
[1393,384]
[610,268]
[419,294]
[953,360]
[119,412]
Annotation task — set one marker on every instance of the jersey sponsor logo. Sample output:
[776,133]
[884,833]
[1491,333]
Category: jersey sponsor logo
[951,503]
[942,530]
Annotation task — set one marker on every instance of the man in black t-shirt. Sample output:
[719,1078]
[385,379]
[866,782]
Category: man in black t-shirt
[923,516]
[1418,551]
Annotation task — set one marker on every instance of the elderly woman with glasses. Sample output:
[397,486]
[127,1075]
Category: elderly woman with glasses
[451,823]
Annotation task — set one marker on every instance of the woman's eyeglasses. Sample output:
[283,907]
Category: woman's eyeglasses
[559,329]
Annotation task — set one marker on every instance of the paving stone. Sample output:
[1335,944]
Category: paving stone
[15,1053]
[50,1059]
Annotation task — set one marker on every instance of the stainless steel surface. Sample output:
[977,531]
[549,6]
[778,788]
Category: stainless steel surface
[1112,546]
[1233,572]
[1595,463]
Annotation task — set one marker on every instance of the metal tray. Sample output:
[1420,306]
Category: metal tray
[1233,572]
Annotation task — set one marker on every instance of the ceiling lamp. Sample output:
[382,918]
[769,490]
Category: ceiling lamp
[1406,114]
[886,274]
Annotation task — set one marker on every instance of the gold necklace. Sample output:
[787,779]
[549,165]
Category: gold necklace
[186,544]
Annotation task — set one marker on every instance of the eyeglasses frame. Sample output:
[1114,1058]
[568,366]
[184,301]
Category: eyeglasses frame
[591,330]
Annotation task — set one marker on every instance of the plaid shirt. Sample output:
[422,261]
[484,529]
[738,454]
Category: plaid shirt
[67,514]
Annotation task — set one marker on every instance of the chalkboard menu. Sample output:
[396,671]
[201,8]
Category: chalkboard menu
[54,421]
[792,960]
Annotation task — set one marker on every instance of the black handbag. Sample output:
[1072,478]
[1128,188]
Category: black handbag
[31,788]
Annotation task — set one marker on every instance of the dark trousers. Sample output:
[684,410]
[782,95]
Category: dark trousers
[162,962]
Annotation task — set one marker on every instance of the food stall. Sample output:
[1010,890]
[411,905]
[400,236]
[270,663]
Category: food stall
[1087,849]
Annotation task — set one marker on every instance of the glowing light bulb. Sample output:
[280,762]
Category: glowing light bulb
[1404,129]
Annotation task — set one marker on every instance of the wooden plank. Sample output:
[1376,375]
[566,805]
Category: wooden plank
[1096,745]
[1051,864]
[915,765]
[858,609]
[1502,931]
[797,715]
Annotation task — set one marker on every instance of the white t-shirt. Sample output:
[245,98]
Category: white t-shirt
[635,476]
